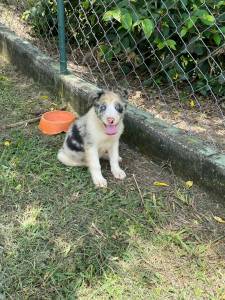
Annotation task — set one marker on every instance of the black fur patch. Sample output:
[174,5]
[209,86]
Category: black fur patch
[99,109]
[98,95]
[119,108]
[102,108]
[96,105]
[74,140]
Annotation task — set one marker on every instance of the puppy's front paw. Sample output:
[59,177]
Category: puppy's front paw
[119,174]
[100,181]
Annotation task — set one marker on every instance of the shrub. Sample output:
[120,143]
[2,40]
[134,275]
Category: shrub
[175,40]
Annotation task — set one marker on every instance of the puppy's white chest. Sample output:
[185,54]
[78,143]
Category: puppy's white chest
[105,145]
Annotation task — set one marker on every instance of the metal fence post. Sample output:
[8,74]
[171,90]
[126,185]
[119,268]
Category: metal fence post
[61,35]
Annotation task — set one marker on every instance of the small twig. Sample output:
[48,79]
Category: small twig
[139,191]
[21,123]
[25,122]
[218,239]
[98,231]
[178,204]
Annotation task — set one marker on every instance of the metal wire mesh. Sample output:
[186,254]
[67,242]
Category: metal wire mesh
[169,54]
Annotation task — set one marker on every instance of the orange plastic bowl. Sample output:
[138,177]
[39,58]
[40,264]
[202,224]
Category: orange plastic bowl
[54,122]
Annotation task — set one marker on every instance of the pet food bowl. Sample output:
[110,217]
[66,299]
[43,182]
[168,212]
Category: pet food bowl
[57,121]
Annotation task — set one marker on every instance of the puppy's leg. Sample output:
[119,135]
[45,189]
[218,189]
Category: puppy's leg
[105,156]
[92,158]
[114,161]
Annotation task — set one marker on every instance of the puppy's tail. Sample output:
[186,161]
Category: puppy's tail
[68,161]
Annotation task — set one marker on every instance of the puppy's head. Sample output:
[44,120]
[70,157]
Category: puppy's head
[110,108]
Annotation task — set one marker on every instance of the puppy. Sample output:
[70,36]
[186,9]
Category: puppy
[96,135]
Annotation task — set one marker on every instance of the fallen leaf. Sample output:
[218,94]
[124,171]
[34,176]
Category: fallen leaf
[44,97]
[18,187]
[7,143]
[192,103]
[219,220]
[159,183]
[114,258]
[189,184]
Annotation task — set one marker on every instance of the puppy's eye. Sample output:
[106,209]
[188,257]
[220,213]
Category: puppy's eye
[102,107]
[119,108]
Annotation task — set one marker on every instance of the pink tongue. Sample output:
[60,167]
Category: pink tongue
[111,129]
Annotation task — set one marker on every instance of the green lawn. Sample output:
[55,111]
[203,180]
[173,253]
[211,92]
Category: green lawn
[61,238]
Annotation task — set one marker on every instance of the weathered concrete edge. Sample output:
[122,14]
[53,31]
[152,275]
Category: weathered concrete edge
[190,157]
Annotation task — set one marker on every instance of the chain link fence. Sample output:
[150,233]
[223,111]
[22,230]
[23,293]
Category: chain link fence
[170,54]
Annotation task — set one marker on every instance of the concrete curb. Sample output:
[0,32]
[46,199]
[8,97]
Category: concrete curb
[190,157]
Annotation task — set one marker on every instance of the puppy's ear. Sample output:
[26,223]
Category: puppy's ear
[98,95]
[93,98]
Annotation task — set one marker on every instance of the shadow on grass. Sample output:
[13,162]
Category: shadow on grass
[58,230]
[61,238]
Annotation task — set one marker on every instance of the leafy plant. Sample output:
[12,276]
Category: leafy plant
[179,40]
[42,16]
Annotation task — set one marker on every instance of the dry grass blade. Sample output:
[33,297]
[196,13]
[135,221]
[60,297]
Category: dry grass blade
[139,191]
[97,231]
[20,123]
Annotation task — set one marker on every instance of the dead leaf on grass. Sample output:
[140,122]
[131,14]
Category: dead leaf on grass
[160,183]
[7,143]
[219,220]
[192,103]
[44,97]
[189,184]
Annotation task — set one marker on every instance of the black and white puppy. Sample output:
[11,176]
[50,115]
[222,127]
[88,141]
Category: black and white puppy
[96,135]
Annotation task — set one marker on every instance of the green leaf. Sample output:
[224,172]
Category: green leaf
[126,21]
[112,14]
[148,27]
[190,22]
[204,16]
[184,2]
[160,45]
[183,32]
[171,44]
[123,3]
[220,3]
[106,52]
[200,12]
[207,19]
[86,4]
[222,29]
[102,49]
[217,38]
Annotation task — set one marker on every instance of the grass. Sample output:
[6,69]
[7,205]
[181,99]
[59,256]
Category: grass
[60,238]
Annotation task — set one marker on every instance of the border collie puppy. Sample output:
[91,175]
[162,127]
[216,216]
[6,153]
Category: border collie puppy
[96,135]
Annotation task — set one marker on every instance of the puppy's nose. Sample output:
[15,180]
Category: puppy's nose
[110,121]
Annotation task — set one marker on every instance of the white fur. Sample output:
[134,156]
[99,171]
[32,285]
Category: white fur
[97,144]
